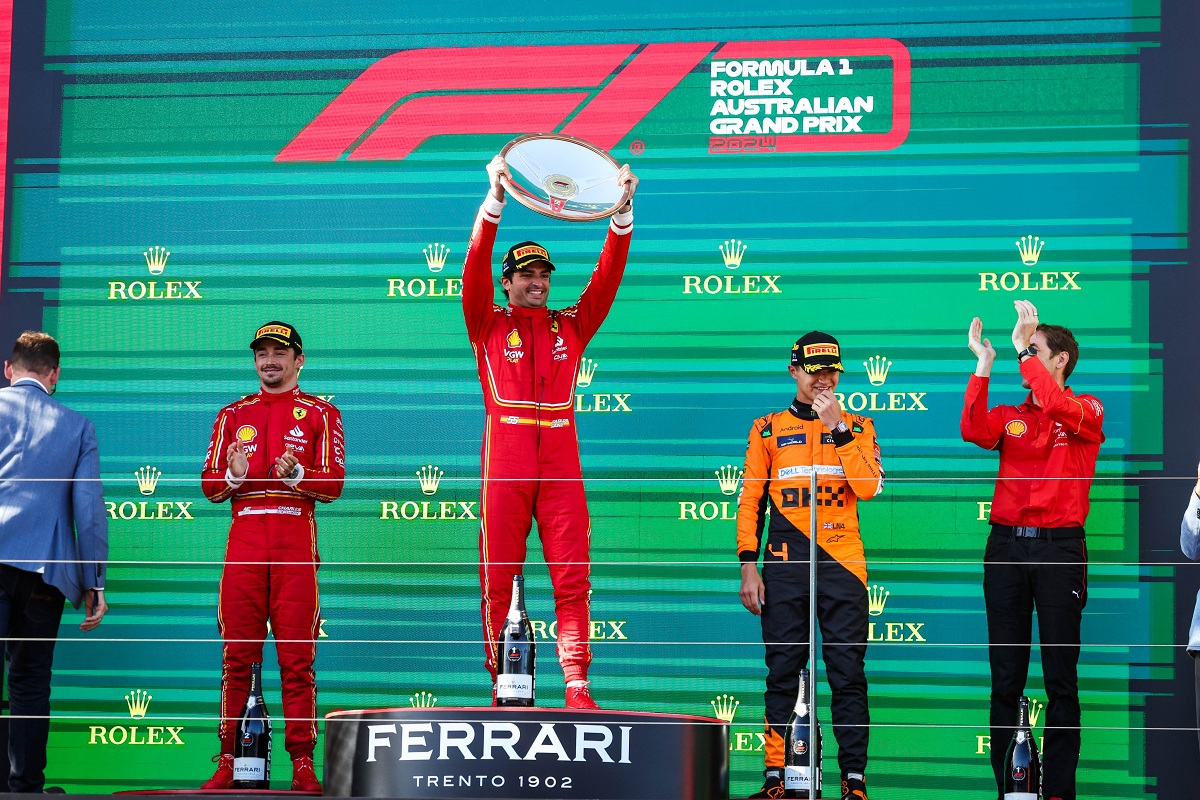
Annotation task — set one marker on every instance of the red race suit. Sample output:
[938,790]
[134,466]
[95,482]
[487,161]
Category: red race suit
[527,360]
[271,559]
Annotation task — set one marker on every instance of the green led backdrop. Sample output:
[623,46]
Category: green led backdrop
[892,218]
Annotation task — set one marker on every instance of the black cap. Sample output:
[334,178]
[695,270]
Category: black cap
[521,255]
[816,351]
[279,332]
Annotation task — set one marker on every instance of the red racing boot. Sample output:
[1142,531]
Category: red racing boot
[223,777]
[579,696]
[304,776]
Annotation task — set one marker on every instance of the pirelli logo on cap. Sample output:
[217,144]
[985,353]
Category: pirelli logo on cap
[814,350]
[532,250]
[274,330]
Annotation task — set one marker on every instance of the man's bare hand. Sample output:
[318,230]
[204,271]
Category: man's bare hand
[496,169]
[753,593]
[285,463]
[1027,322]
[982,348]
[828,409]
[625,177]
[236,456]
[96,609]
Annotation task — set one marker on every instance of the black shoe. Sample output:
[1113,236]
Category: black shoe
[54,790]
[772,783]
[854,788]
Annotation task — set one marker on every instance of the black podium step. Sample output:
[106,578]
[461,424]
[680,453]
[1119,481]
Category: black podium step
[496,753]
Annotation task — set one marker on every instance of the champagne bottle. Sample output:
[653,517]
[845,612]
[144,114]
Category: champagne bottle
[1022,767]
[518,653]
[252,753]
[801,760]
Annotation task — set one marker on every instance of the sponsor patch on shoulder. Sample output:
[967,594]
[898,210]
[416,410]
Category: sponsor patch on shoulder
[856,428]
[766,431]
[795,438]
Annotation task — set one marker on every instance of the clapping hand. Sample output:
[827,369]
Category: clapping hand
[1027,322]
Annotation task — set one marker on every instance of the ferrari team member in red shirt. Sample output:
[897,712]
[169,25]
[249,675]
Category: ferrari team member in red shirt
[274,455]
[528,355]
[1036,556]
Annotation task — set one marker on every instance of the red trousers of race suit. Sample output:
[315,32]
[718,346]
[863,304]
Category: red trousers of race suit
[531,472]
[271,573]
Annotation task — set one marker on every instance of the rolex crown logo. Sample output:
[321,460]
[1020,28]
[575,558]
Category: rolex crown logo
[435,256]
[138,702]
[429,476]
[877,598]
[732,251]
[147,479]
[587,369]
[729,477]
[1030,248]
[1036,707]
[725,706]
[877,369]
[156,259]
[422,699]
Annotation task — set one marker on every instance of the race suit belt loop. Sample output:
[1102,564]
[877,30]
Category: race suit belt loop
[1033,532]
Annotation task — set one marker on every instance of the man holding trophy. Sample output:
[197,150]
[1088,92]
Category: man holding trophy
[527,356]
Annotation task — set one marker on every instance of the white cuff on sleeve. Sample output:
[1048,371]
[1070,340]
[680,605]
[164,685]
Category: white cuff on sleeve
[622,221]
[232,481]
[492,208]
[297,475]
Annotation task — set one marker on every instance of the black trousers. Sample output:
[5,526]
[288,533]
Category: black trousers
[842,617]
[1020,575]
[29,610]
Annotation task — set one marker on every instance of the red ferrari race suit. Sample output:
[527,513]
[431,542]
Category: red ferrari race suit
[527,360]
[271,559]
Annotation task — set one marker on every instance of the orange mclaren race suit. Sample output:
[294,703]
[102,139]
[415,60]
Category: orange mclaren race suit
[271,558]
[527,360]
[783,450]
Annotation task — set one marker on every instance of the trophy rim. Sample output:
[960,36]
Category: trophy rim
[520,194]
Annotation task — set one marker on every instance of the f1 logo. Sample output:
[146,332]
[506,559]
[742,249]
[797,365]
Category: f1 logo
[604,90]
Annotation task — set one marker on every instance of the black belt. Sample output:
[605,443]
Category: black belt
[1034,532]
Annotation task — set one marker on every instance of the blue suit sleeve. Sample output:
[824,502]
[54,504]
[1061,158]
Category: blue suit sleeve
[87,501]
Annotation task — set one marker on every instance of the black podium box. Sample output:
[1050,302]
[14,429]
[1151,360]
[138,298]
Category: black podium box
[498,753]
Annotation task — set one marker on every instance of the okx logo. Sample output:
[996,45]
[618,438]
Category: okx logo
[599,92]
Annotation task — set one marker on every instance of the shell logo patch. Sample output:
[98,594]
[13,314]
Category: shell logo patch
[1016,428]
[246,433]
[514,338]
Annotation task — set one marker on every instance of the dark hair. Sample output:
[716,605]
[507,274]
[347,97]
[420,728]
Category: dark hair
[35,352]
[1061,340]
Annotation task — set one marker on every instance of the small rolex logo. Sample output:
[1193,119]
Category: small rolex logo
[147,479]
[732,251]
[435,256]
[422,700]
[877,369]
[1036,707]
[587,369]
[877,598]
[1030,248]
[725,706]
[429,476]
[156,259]
[729,477]
[138,702]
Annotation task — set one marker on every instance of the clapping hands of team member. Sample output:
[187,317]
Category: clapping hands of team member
[828,409]
[1027,322]
[285,464]
[982,348]
[235,455]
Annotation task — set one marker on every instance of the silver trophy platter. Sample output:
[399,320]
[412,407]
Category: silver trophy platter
[563,177]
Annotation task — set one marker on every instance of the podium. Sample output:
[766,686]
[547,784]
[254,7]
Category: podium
[430,753]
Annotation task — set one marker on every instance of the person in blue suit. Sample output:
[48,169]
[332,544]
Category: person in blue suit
[1189,540]
[53,541]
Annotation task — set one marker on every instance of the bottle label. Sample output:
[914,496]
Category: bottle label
[1020,796]
[797,778]
[249,769]
[514,686]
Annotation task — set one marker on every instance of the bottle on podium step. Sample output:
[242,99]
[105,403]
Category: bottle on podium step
[1022,767]
[252,753]
[517,652]
[802,759]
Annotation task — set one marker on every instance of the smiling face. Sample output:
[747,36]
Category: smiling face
[277,365]
[529,287]
[809,385]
